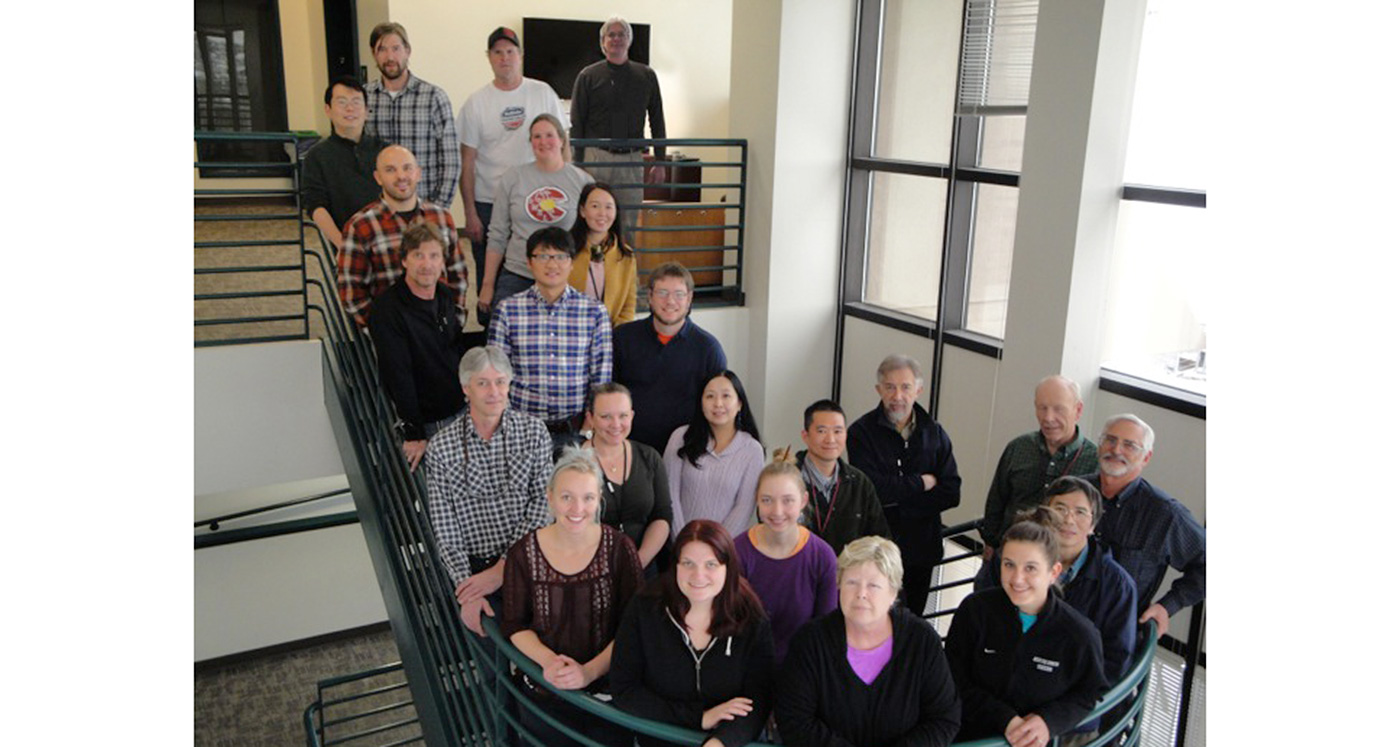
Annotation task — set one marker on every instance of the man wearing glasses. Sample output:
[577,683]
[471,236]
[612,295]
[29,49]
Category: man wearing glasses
[1146,529]
[558,340]
[338,172]
[665,359]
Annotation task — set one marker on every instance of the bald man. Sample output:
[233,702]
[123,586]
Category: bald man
[369,262]
[1031,461]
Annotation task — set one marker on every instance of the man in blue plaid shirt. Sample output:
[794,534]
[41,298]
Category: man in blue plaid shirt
[409,111]
[558,340]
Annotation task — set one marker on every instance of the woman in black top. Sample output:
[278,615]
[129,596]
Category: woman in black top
[1028,666]
[694,648]
[636,494]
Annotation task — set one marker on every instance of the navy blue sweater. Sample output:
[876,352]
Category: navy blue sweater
[665,380]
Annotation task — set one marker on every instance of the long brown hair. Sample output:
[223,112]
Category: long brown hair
[736,608]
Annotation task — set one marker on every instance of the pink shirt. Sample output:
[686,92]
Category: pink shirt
[869,664]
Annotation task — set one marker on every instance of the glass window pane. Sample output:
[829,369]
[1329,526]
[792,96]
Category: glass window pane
[918,80]
[989,280]
[906,243]
[1166,138]
[1003,140]
[1158,304]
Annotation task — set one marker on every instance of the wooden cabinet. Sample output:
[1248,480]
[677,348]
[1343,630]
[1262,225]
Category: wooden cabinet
[708,233]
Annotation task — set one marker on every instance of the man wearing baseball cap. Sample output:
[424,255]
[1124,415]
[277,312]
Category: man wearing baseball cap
[493,130]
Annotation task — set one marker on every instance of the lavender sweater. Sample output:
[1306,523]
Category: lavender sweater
[720,487]
[793,590]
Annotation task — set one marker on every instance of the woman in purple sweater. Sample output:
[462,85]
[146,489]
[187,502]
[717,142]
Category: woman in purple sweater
[792,570]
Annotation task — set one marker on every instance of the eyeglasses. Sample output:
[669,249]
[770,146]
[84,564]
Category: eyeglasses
[1132,447]
[666,295]
[1080,512]
[552,259]
[344,103]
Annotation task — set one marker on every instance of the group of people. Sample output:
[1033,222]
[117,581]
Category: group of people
[598,483]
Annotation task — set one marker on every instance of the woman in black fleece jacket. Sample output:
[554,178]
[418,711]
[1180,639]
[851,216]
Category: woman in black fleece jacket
[1028,666]
[694,648]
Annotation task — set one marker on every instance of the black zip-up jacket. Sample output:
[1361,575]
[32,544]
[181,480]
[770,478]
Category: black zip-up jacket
[912,702]
[656,674]
[897,467]
[419,345]
[856,511]
[1055,669]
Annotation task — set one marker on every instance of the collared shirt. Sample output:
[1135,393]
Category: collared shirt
[483,495]
[370,262]
[1148,530]
[1026,468]
[420,118]
[1073,570]
[558,350]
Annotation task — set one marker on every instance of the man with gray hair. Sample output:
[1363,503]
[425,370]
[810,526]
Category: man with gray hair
[478,513]
[614,98]
[1031,461]
[1146,529]
[909,457]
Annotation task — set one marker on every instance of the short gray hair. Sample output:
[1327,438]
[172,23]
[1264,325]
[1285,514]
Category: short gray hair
[1070,384]
[619,20]
[584,461]
[1148,437]
[873,549]
[895,362]
[477,359]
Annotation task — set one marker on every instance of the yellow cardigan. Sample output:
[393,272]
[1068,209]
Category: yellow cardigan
[619,282]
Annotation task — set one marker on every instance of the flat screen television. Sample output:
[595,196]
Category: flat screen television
[556,50]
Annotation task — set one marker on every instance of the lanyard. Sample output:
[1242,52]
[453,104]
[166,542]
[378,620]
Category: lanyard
[823,522]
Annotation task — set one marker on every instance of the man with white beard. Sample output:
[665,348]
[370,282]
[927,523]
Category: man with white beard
[1146,529]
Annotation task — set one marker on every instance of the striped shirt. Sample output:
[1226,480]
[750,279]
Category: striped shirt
[419,118]
[484,495]
[558,350]
[369,262]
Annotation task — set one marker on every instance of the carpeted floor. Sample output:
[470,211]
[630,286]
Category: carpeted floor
[262,701]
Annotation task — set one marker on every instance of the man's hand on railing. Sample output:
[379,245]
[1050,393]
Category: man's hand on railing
[1158,613]
[471,615]
[479,585]
[413,452]
[1030,731]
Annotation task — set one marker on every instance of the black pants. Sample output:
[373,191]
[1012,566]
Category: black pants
[604,732]
[917,579]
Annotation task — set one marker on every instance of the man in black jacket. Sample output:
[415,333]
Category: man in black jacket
[338,172]
[418,340]
[909,457]
[842,505]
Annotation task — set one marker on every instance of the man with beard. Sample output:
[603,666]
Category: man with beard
[419,343]
[909,457]
[369,262]
[1146,529]
[665,359]
[1031,461]
[414,113]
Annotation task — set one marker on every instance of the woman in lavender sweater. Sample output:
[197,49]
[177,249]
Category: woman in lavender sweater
[713,463]
[792,570]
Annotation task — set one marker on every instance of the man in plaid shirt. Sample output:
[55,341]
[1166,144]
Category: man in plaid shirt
[559,341]
[369,261]
[414,113]
[1146,529]
[486,476]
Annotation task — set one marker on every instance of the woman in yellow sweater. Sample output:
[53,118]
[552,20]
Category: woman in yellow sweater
[605,269]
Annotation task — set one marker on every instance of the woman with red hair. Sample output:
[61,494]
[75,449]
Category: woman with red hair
[694,648]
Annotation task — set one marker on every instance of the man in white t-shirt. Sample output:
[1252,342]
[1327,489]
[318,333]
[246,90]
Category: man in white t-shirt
[493,129]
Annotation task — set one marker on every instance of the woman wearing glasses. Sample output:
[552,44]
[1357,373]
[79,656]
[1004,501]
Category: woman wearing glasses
[536,195]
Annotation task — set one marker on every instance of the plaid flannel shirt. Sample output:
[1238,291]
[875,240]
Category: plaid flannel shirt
[485,495]
[420,119]
[369,262]
[558,350]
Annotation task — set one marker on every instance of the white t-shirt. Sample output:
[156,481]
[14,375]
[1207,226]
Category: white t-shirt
[497,124]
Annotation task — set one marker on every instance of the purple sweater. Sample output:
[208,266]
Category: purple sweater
[793,590]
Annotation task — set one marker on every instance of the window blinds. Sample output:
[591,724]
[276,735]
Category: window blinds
[998,45]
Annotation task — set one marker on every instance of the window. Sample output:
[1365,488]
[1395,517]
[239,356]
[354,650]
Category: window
[941,90]
[238,81]
[1158,306]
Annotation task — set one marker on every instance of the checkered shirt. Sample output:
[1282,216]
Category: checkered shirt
[369,262]
[485,495]
[420,119]
[1148,530]
[558,350]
